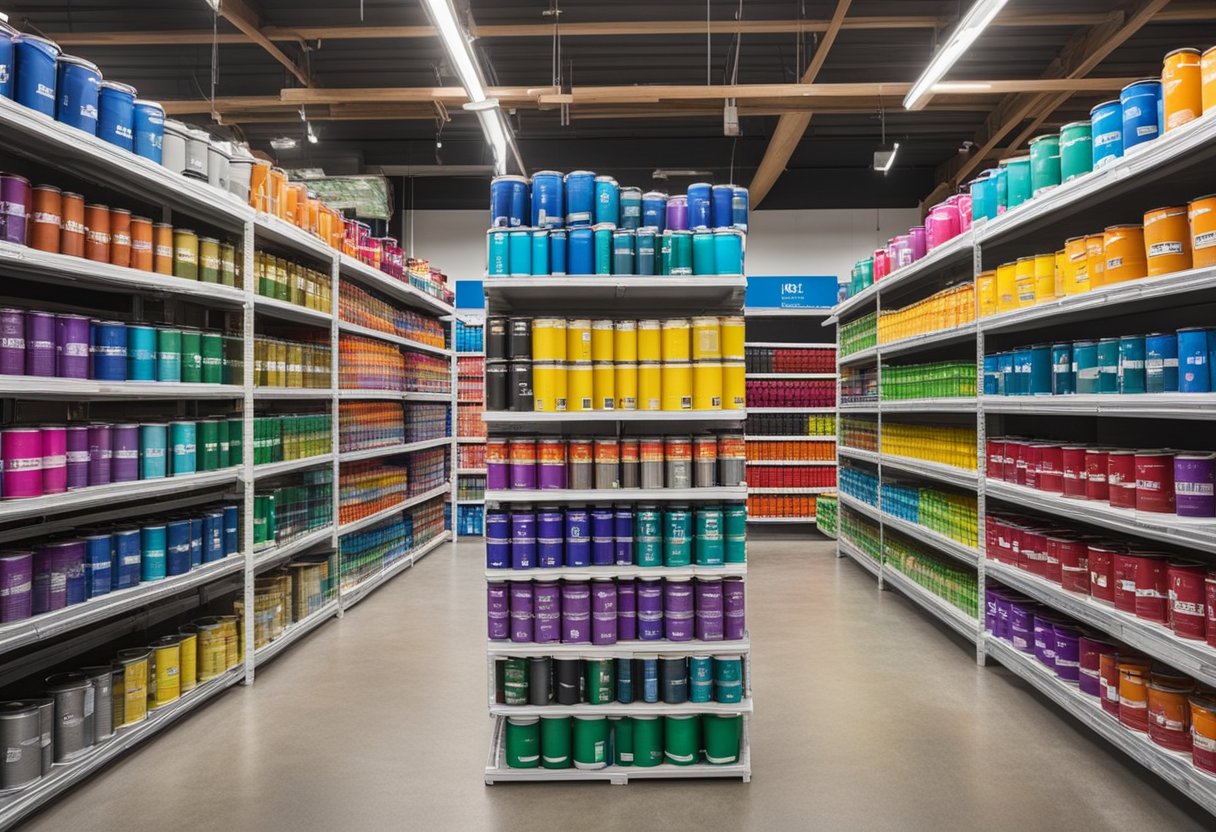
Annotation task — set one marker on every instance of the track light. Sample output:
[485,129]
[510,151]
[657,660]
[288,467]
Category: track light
[884,159]
[312,136]
[968,30]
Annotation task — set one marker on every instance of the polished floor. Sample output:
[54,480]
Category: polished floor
[868,717]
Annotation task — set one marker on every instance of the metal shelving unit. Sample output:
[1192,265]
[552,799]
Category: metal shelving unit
[473,505]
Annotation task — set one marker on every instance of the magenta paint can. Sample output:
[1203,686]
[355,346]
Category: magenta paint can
[1194,478]
[54,459]
[650,608]
[101,454]
[16,586]
[124,466]
[547,612]
[15,203]
[39,344]
[71,346]
[626,610]
[78,456]
[678,609]
[521,611]
[734,623]
[603,611]
[12,342]
[21,450]
[498,612]
[709,609]
[919,242]
[576,612]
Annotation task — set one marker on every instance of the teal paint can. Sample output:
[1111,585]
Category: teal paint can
[677,547]
[603,247]
[1039,379]
[663,258]
[1062,380]
[734,523]
[1017,185]
[519,243]
[1085,366]
[1044,163]
[183,437]
[646,251]
[700,679]
[1076,150]
[141,353]
[728,679]
[153,438]
[728,250]
[623,243]
[1002,189]
[540,251]
[708,544]
[648,536]
[208,445]
[498,253]
[1108,365]
[703,260]
[169,355]
[1131,364]
[681,252]
[153,546]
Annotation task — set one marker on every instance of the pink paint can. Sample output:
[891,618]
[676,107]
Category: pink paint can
[21,450]
[919,240]
[54,459]
[942,224]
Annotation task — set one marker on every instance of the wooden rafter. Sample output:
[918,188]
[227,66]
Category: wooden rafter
[243,17]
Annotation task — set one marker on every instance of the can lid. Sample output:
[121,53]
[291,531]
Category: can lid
[1185,49]
[1072,124]
[46,42]
[605,178]
[119,87]
[510,177]
[1143,81]
[556,173]
[1045,137]
[78,61]
[700,185]
[14,710]
[149,105]
[728,187]
[64,682]
[580,173]
[1114,102]
[654,195]
[604,226]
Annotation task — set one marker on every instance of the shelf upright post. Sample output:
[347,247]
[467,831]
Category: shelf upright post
[335,280]
[882,549]
[981,454]
[247,481]
[453,415]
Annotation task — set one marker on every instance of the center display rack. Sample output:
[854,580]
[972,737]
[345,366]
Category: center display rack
[978,461]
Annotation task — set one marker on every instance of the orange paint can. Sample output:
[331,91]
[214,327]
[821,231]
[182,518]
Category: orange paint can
[141,243]
[1133,693]
[1203,733]
[1095,260]
[1167,240]
[1062,274]
[1181,88]
[259,186]
[1207,80]
[97,243]
[120,237]
[1123,247]
[1169,715]
[46,218]
[1201,213]
[162,248]
[72,239]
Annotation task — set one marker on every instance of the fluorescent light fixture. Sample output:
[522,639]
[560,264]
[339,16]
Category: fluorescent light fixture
[969,28]
[961,86]
[283,143]
[214,4]
[312,136]
[884,159]
[456,42]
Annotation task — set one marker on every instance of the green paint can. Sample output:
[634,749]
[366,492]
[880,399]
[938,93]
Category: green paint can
[211,349]
[234,360]
[192,356]
[600,684]
[169,355]
[523,742]
[677,547]
[728,679]
[734,522]
[1076,149]
[647,741]
[590,742]
[622,740]
[722,733]
[681,252]
[515,682]
[648,536]
[1044,163]
[236,441]
[209,444]
[682,739]
[664,265]
[555,741]
[708,545]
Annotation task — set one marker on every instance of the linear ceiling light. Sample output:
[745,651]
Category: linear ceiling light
[969,28]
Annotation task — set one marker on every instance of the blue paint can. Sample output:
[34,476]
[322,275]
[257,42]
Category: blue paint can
[1131,364]
[232,537]
[1108,365]
[78,85]
[1141,103]
[8,70]
[603,247]
[654,211]
[498,253]
[540,251]
[700,205]
[649,667]
[1063,382]
[177,547]
[580,197]
[1085,366]
[622,534]
[1004,366]
[548,209]
[519,243]
[581,250]
[116,114]
[125,567]
[149,120]
[1194,374]
[549,531]
[603,539]
[153,542]
[36,60]
[498,539]
[98,560]
[1106,125]
[196,539]
[728,251]
[141,353]
[983,197]
[523,539]
[607,200]
[721,208]
[645,238]
[992,378]
[1161,363]
[624,680]
[153,438]
[509,202]
[183,438]
[578,536]
[740,207]
[631,208]
[109,347]
[1039,377]
[557,251]
[623,251]
[1021,373]
[212,536]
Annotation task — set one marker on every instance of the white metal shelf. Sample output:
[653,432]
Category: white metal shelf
[40,387]
[633,495]
[1173,767]
[291,393]
[960,551]
[599,292]
[357,593]
[823,489]
[385,513]
[958,477]
[471,440]
[286,311]
[625,709]
[273,469]
[587,573]
[281,233]
[106,495]
[856,555]
[951,404]
[916,343]
[264,558]
[759,437]
[938,607]
[793,463]
[467,354]
[621,649]
[786,312]
[394,450]
[845,452]
[400,290]
[1147,405]
[849,501]
[295,632]
[407,343]
[782,520]
[794,345]
[868,355]
[791,376]
[509,417]
[365,394]
[1196,658]
[858,407]
[471,472]
[790,409]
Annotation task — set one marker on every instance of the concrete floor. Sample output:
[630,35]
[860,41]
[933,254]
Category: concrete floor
[868,716]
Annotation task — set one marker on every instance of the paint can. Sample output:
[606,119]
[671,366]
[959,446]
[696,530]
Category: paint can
[1194,348]
[99,553]
[623,251]
[521,611]
[1091,650]
[35,84]
[116,114]
[709,545]
[152,552]
[1124,252]
[626,616]
[1133,693]
[1121,478]
[40,344]
[497,616]
[673,679]
[578,536]
[148,123]
[127,554]
[1186,603]
[16,586]
[1141,104]
[602,242]
[1106,120]
[1062,379]
[508,201]
[522,742]
[547,613]
[53,442]
[191,356]
[498,253]
[1108,365]
[555,741]
[607,200]
[78,84]
[177,547]
[603,624]
[183,440]
[602,536]
[126,443]
[576,623]
[523,539]
[1085,366]
[21,450]
[1161,363]
[548,194]
[1167,240]
[74,714]
[1076,150]
[1018,186]
[581,251]
[650,628]
[1154,481]
[1097,465]
[682,739]
[519,252]
[678,609]
[520,385]
[648,536]
[21,733]
[1182,88]
[211,534]
[1045,167]
[558,248]
[681,259]
[1169,714]
[540,251]
[590,742]
[622,530]
[46,218]
[1194,475]
[1131,364]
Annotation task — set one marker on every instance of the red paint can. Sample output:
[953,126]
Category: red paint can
[1015,547]
[1051,469]
[1185,581]
[1018,451]
[1155,482]
[1209,607]
[1033,557]
[1073,463]
[1074,564]
[1032,461]
[1095,475]
[996,459]
[1051,548]
[1125,581]
[1102,573]
[1002,544]
[1152,588]
[1121,478]
[1009,468]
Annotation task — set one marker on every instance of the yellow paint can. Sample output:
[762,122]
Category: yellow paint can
[1062,274]
[650,386]
[549,339]
[1024,278]
[625,342]
[212,652]
[733,336]
[706,340]
[229,626]
[549,392]
[677,384]
[707,385]
[134,664]
[164,679]
[650,340]
[189,642]
[1044,277]
[578,340]
[734,385]
[1095,260]
[603,375]
[985,289]
[1076,249]
[626,386]
[601,341]
[675,340]
[1006,287]
[579,387]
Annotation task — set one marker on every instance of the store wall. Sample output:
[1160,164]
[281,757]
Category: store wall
[779,242]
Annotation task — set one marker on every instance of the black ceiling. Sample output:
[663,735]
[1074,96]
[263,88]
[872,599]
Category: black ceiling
[830,168]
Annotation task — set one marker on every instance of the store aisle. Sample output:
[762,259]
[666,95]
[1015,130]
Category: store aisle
[867,717]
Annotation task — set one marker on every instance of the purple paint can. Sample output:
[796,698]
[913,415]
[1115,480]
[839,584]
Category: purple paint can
[678,609]
[498,613]
[1194,476]
[650,608]
[677,213]
[125,467]
[578,536]
[990,610]
[734,616]
[709,609]
[1067,652]
[523,540]
[39,344]
[16,586]
[626,609]
[101,454]
[551,463]
[622,534]
[21,450]
[15,203]
[78,456]
[523,464]
[1045,641]
[12,342]
[1003,605]
[603,611]
[549,531]
[918,241]
[1021,627]
[54,459]
[71,346]
[498,540]
[547,607]
[521,611]
[50,580]
[1090,651]
[576,612]
[603,541]
[498,466]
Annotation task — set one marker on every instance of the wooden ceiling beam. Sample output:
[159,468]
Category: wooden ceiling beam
[245,18]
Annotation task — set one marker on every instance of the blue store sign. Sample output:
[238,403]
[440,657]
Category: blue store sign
[811,292]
